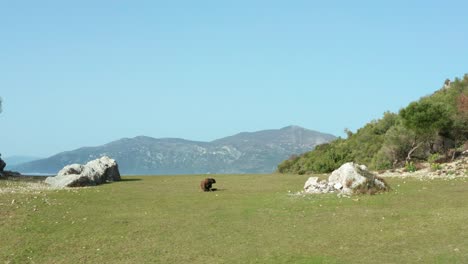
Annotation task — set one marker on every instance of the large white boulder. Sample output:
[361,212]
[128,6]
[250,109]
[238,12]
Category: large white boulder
[349,178]
[102,170]
[94,172]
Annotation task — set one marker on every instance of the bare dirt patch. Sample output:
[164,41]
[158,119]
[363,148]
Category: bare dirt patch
[451,170]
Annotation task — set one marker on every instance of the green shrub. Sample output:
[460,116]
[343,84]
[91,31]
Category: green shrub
[432,160]
[382,160]
[435,166]
[410,167]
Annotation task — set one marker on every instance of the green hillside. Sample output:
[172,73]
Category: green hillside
[434,128]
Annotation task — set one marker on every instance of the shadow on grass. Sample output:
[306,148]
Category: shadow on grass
[217,190]
[129,180]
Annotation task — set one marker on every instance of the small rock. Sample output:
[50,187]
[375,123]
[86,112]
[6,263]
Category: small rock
[338,186]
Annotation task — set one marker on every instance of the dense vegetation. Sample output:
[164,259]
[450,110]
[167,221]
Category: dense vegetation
[435,128]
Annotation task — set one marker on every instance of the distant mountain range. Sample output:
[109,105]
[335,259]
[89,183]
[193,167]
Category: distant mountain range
[15,160]
[247,152]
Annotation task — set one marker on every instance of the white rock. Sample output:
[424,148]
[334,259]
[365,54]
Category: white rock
[94,172]
[312,181]
[337,186]
[348,176]
[71,169]
[346,180]
[313,185]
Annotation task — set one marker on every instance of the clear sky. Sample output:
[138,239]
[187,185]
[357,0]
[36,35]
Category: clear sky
[84,73]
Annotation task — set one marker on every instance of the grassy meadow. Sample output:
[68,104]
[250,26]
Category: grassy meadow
[250,219]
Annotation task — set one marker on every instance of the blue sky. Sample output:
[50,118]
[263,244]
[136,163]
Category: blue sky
[84,73]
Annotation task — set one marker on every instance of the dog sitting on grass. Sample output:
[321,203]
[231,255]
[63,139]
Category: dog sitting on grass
[206,184]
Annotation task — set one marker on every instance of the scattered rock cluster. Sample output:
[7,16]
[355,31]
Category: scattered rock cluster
[314,185]
[348,179]
[451,170]
[95,172]
[458,168]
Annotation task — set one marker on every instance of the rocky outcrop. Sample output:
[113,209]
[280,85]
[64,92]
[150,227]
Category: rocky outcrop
[348,179]
[9,174]
[94,172]
[2,165]
[3,173]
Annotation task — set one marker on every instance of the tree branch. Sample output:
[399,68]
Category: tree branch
[414,148]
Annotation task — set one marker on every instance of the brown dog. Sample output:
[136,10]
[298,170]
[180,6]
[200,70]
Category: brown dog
[206,184]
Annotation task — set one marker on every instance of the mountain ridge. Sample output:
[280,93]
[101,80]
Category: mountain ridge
[245,152]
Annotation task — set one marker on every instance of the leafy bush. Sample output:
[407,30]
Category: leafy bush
[433,162]
[410,167]
[433,158]
[435,166]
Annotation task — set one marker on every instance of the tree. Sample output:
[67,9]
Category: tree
[426,118]
[399,143]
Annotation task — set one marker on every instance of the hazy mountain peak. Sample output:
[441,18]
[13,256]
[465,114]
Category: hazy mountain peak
[293,127]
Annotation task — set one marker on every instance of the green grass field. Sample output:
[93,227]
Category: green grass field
[250,219]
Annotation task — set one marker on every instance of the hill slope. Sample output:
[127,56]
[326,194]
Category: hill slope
[435,128]
[255,152]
